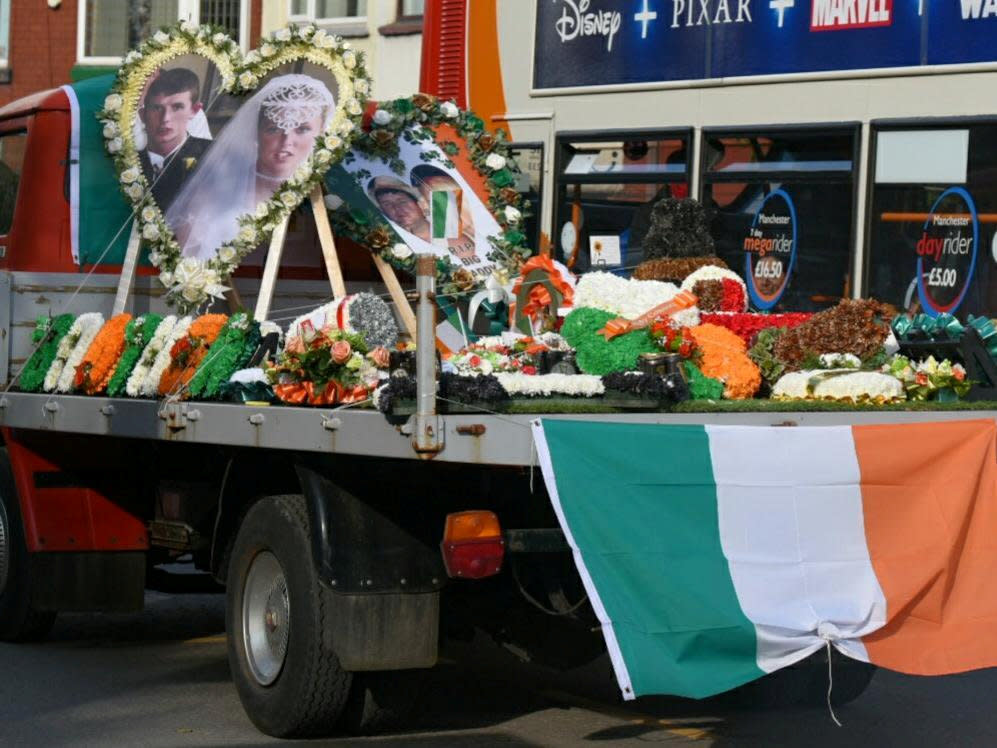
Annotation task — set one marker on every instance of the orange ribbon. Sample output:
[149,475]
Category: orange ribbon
[619,325]
[539,297]
[297,393]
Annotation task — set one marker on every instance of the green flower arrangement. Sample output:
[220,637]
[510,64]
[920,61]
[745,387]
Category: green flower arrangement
[702,387]
[234,347]
[46,337]
[138,333]
[415,120]
[596,355]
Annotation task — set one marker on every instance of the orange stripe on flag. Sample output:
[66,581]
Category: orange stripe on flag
[929,496]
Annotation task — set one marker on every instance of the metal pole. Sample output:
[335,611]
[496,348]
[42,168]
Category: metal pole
[428,437]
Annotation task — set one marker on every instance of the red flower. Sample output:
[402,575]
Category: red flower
[474,361]
[529,370]
[341,351]
[685,350]
[921,378]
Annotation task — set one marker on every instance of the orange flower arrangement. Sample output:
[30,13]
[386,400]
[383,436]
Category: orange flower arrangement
[188,352]
[97,366]
[725,357]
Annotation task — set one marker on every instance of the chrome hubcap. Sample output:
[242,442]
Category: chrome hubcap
[4,547]
[266,617]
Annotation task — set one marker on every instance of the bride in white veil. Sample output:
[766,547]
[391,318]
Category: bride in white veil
[260,147]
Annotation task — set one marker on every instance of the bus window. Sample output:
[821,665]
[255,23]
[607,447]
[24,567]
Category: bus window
[933,218]
[781,210]
[606,186]
[530,158]
[12,145]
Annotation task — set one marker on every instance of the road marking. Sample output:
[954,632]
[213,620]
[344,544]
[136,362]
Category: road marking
[670,726]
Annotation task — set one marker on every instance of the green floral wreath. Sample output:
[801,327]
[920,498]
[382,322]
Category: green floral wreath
[415,120]
[47,335]
[234,346]
[190,282]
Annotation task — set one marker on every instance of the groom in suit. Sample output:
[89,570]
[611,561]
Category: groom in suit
[171,153]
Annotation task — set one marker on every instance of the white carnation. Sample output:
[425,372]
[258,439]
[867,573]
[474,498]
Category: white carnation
[354,107]
[545,385]
[114,145]
[219,39]
[160,37]
[87,326]
[150,385]
[110,129]
[268,50]
[112,103]
[252,57]
[495,161]
[191,27]
[133,56]
[349,59]
[283,35]
[247,79]
[141,371]
[620,296]
[449,109]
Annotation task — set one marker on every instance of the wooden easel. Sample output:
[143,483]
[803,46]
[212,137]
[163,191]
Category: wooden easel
[269,281]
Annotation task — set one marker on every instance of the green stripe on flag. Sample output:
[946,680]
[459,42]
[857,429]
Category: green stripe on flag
[444,210]
[641,505]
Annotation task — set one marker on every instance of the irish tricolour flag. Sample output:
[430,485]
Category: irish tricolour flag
[445,213]
[715,554]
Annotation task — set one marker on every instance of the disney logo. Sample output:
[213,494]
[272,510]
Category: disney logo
[576,21]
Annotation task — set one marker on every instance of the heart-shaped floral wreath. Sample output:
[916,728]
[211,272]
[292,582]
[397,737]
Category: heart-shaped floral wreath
[417,118]
[190,282]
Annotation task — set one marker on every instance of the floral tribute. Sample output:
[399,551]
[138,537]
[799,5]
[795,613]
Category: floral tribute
[674,269]
[718,289]
[748,325]
[628,298]
[326,367]
[595,354]
[46,337]
[489,356]
[188,351]
[542,288]
[673,339]
[138,332]
[95,370]
[417,119]
[724,357]
[73,346]
[839,384]
[929,379]
[364,313]
[857,326]
[235,345]
[144,379]
[189,282]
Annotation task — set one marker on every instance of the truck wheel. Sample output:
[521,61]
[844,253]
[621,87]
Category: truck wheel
[381,700]
[288,677]
[19,621]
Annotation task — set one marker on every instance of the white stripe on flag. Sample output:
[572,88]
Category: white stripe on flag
[609,634]
[74,172]
[792,529]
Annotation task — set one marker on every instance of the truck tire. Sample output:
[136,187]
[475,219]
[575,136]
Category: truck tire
[286,672]
[19,621]
[380,701]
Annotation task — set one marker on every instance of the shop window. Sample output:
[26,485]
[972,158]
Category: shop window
[607,185]
[12,147]
[327,10]
[530,158]
[4,33]
[781,207]
[107,29]
[411,10]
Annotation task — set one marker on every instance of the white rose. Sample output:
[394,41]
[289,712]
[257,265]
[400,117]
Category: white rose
[227,254]
[246,234]
[133,56]
[189,26]
[333,202]
[112,103]
[283,35]
[353,107]
[155,258]
[191,294]
[306,32]
[128,176]
[349,59]
[512,215]
[303,172]
[110,129]
[148,213]
[289,199]
[150,231]
[333,142]
[247,79]
[268,50]
[347,45]
[401,251]
[381,117]
[318,36]
[449,109]
[252,57]
[261,211]
[361,85]
[219,39]
[160,37]
[323,156]
[114,146]
[495,161]
[346,126]
[166,278]
[134,191]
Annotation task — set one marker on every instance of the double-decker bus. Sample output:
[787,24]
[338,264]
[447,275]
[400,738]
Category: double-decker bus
[842,148]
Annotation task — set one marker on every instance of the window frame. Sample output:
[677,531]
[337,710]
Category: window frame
[5,61]
[346,25]
[537,207]
[561,181]
[900,124]
[185,9]
[16,126]
[401,17]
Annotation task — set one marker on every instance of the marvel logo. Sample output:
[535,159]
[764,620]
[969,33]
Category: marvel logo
[831,15]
